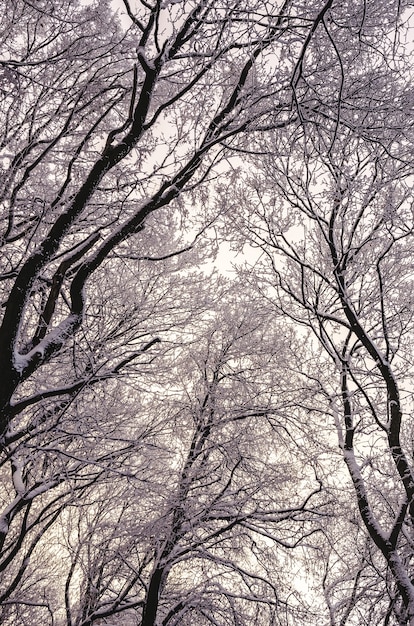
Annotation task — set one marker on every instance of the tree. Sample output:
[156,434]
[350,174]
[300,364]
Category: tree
[332,213]
[101,138]
[230,498]
[203,544]
[82,96]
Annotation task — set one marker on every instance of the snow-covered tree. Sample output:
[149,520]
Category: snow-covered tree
[331,210]
[106,128]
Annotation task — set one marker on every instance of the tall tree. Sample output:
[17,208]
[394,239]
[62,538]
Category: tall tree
[211,496]
[331,210]
[98,133]
[107,128]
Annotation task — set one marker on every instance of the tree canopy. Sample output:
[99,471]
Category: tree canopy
[184,442]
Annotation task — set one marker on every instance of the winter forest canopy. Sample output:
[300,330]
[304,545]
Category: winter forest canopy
[207,313]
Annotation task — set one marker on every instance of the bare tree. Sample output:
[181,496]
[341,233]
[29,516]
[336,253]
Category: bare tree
[82,95]
[195,532]
[338,241]
[107,128]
